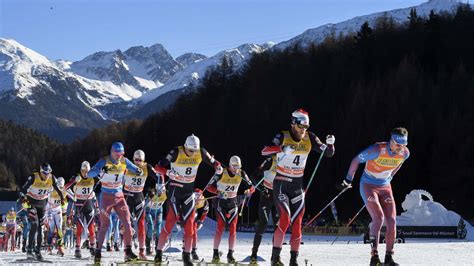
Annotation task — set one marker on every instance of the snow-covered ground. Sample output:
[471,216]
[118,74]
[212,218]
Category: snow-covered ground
[315,251]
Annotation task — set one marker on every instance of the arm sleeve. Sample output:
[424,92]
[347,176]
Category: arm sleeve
[55,187]
[369,153]
[71,182]
[96,169]
[248,183]
[258,173]
[170,157]
[131,166]
[208,159]
[317,146]
[27,185]
[274,147]
[213,184]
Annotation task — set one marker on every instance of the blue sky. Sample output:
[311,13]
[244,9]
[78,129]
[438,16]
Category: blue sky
[73,29]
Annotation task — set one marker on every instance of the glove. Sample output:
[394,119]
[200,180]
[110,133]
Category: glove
[247,192]
[105,169]
[222,195]
[172,173]
[219,169]
[330,139]
[199,225]
[344,185]
[287,149]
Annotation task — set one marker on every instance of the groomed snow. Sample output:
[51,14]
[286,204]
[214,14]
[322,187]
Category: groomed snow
[317,250]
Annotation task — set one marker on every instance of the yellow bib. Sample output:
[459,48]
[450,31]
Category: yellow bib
[293,164]
[40,189]
[229,184]
[135,183]
[186,166]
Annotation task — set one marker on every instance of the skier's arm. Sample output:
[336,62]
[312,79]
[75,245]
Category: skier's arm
[55,187]
[318,146]
[274,147]
[207,158]
[96,169]
[71,182]
[212,187]
[152,178]
[164,164]
[26,186]
[131,166]
[248,184]
[369,153]
[265,165]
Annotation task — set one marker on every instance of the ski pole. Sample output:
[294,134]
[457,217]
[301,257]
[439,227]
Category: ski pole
[350,222]
[316,168]
[242,206]
[325,207]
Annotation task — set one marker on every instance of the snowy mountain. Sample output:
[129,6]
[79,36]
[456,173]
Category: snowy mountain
[189,58]
[399,16]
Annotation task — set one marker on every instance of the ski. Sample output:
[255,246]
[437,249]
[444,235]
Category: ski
[140,262]
[31,260]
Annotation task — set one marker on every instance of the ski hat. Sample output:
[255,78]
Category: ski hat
[118,147]
[85,165]
[60,181]
[45,168]
[192,143]
[139,154]
[301,117]
[235,162]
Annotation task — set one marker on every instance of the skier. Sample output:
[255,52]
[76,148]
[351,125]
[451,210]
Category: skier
[23,214]
[382,161]
[202,209]
[183,163]
[55,215]
[83,188]
[133,191]
[10,229]
[226,186]
[112,169]
[154,211]
[266,206]
[292,149]
[36,191]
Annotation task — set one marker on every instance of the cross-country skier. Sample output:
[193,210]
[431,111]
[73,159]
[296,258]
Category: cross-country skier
[154,211]
[111,170]
[382,161]
[11,229]
[23,214]
[83,188]
[202,209]
[226,186]
[55,214]
[36,191]
[292,149]
[133,190]
[266,206]
[183,163]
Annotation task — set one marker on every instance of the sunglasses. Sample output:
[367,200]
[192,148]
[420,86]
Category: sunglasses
[45,172]
[138,160]
[301,126]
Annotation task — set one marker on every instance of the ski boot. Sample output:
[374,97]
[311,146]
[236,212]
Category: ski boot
[77,253]
[30,255]
[253,257]
[116,247]
[148,251]
[215,257]
[85,244]
[38,255]
[60,251]
[388,261]
[129,255]
[49,250]
[108,248]
[92,251]
[159,256]
[230,257]
[23,246]
[148,247]
[194,255]
[293,258]
[375,260]
[276,260]
[187,259]
[141,254]
[97,257]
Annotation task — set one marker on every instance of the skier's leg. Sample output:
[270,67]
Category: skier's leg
[188,212]
[263,216]
[106,205]
[171,219]
[371,199]
[389,209]
[283,208]
[233,228]
[219,229]
[123,213]
[297,207]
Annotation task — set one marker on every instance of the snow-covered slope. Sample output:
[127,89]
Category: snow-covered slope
[317,35]
[195,71]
